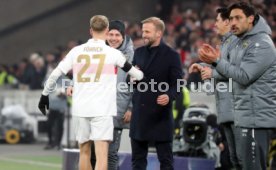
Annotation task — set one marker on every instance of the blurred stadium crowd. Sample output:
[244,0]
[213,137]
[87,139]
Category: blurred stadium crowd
[186,30]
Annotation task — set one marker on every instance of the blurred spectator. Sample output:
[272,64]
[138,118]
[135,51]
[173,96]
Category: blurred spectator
[187,27]
[58,107]
[7,80]
[182,39]
[164,9]
[38,72]
[51,63]
[181,103]
[135,33]
[71,44]
[24,73]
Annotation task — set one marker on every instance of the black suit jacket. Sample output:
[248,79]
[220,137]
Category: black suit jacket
[150,121]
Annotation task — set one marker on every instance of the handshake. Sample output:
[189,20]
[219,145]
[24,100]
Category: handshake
[132,79]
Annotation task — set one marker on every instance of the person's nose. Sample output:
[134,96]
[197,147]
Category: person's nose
[112,38]
[233,22]
[215,26]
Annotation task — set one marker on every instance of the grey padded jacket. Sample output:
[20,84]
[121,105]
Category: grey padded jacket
[253,69]
[124,97]
[224,98]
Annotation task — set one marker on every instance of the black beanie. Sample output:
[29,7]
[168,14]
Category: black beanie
[117,25]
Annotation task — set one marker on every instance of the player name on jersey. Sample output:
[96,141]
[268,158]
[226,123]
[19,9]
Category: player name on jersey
[93,49]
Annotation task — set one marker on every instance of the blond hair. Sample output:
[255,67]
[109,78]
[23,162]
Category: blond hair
[99,23]
[157,22]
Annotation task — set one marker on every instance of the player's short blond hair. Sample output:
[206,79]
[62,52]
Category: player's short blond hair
[99,23]
[157,22]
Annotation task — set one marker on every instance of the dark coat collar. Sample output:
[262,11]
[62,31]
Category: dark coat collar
[160,51]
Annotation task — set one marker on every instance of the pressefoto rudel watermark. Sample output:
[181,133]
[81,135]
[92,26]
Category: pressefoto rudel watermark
[208,86]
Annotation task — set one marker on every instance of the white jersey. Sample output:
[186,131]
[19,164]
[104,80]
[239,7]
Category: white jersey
[94,77]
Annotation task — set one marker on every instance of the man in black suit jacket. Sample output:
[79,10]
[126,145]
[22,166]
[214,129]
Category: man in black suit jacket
[152,119]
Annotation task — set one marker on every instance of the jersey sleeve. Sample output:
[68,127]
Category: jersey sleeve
[50,85]
[120,59]
[67,63]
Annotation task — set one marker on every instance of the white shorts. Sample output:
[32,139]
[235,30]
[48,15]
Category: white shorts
[93,128]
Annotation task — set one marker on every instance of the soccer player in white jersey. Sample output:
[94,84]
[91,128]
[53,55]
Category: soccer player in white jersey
[94,97]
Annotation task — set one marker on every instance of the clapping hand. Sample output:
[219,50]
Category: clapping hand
[208,54]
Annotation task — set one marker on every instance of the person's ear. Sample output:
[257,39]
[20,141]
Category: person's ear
[91,32]
[159,33]
[226,22]
[106,31]
[251,19]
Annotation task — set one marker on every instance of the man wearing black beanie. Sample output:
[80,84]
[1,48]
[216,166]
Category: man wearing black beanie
[117,25]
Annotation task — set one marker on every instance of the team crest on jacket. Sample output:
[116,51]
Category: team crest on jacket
[228,41]
[245,44]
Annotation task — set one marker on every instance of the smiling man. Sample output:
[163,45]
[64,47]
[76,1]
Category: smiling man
[152,118]
[253,69]
[116,35]
[117,38]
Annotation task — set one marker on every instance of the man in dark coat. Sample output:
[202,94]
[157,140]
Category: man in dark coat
[152,119]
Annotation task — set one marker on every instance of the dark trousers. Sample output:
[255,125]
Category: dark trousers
[232,136]
[254,148]
[55,127]
[93,155]
[113,157]
[140,152]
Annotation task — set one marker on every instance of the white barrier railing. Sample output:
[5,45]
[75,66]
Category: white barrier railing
[29,100]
